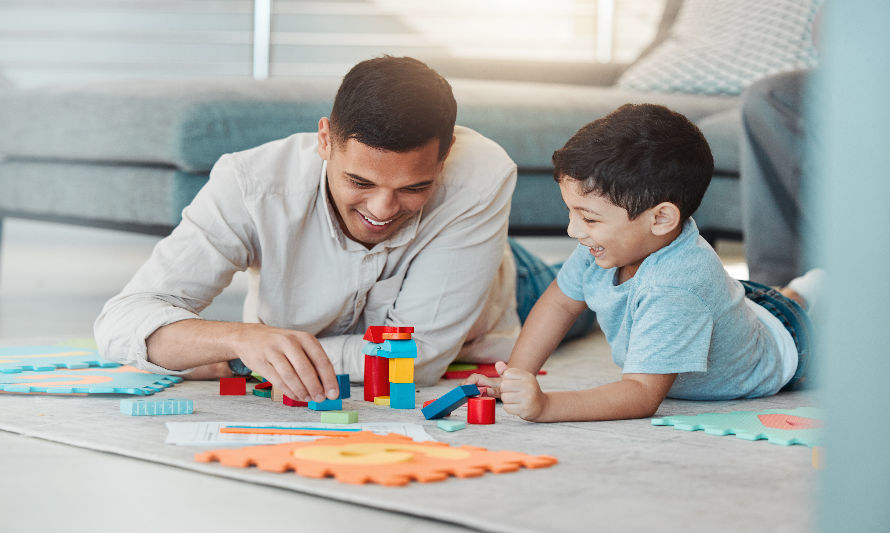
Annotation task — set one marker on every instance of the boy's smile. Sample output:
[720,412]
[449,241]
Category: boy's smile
[614,240]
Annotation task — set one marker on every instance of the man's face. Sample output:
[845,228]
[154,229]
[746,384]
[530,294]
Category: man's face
[375,192]
[614,239]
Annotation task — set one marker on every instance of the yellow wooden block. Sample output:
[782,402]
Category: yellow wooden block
[277,395]
[381,400]
[401,370]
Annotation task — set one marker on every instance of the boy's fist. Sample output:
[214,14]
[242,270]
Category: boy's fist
[520,392]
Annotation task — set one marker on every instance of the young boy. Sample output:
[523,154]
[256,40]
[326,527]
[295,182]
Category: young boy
[677,323]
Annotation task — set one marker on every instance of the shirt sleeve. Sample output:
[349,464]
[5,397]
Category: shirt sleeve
[185,272]
[447,283]
[671,333]
[570,278]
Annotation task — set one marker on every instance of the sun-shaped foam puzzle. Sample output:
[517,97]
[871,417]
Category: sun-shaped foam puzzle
[121,380]
[17,359]
[365,457]
[779,426]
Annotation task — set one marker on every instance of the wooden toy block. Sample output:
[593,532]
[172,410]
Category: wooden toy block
[401,395]
[480,410]
[327,405]
[401,370]
[450,425]
[339,417]
[262,393]
[170,406]
[391,349]
[263,385]
[450,401]
[371,348]
[290,402]
[381,400]
[343,384]
[398,329]
[374,334]
[376,377]
[258,377]
[396,336]
[486,369]
[277,395]
[232,386]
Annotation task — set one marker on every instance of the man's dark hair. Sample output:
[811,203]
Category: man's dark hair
[396,104]
[637,157]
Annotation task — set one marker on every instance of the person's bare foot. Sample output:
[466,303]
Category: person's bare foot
[794,295]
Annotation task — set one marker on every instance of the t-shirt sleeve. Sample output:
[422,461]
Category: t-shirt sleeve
[570,278]
[671,333]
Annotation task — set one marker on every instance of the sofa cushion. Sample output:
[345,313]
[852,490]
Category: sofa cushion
[531,120]
[721,47]
[722,130]
[187,124]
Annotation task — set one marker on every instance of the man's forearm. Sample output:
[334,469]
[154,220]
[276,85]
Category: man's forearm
[192,343]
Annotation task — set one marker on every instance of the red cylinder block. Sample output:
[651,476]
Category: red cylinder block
[376,377]
[480,410]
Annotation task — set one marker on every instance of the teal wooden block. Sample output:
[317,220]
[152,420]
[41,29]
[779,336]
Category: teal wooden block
[343,383]
[339,417]
[401,395]
[170,406]
[327,405]
[370,348]
[398,348]
[451,425]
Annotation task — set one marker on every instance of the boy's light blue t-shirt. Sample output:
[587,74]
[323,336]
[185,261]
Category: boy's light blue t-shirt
[680,313]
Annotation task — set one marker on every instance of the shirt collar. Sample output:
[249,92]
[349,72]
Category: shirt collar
[406,234]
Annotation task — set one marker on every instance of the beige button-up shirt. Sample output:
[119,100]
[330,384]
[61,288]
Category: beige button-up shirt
[448,271]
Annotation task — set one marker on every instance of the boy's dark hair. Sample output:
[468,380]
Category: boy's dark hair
[637,157]
[394,103]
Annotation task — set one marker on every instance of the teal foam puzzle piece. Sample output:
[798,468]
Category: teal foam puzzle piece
[17,359]
[120,380]
[748,425]
[170,406]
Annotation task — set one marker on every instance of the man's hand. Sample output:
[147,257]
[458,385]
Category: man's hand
[293,361]
[520,392]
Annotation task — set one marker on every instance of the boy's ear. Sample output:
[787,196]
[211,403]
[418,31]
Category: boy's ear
[665,218]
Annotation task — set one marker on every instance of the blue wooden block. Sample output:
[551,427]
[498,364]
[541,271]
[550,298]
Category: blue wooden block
[170,406]
[370,348]
[343,383]
[327,405]
[398,348]
[401,395]
[450,401]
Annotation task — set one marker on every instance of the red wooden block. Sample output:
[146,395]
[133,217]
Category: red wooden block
[480,410]
[374,334]
[232,386]
[398,329]
[484,368]
[263,385]
[290,402]
[376,377]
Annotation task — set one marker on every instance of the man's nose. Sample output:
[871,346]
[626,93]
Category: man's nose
[383,205]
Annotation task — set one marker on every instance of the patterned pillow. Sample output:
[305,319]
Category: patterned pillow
[721,46]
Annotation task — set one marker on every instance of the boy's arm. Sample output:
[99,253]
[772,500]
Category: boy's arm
[546,325]
[635,396]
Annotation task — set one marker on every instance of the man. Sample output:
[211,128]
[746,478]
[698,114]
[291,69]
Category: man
[387,215]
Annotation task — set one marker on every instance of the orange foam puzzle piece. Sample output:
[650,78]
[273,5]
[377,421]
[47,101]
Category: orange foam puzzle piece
[365,457]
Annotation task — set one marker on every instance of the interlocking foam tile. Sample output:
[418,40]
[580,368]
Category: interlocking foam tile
[779,426]
[120,380]
[17,359]
[170,406]
[365,457]
[482,368]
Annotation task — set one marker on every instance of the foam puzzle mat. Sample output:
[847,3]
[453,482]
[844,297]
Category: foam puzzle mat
[120,380]
[392,460]
[17,359]
[778,426]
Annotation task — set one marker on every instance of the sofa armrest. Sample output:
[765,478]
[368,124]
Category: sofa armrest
[572,73]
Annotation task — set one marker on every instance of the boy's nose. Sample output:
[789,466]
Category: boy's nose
[575,230]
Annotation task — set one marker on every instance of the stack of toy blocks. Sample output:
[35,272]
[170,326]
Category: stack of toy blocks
[389,365]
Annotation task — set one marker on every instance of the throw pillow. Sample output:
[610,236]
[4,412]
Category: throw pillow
[722,46]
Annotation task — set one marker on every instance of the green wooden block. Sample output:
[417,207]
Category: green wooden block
[451,425]
[457,367]
[339,417]
[264,393]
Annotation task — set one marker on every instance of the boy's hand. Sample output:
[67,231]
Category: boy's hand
[520,392]
[487,386]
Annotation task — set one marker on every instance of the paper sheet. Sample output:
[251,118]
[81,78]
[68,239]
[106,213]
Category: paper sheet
[207,433]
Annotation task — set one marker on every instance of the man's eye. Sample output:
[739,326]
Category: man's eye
[422,188]
[361,184]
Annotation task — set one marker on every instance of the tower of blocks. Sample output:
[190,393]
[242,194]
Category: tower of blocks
[389,365]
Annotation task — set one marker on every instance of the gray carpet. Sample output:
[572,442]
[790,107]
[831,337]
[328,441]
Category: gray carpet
[612,476]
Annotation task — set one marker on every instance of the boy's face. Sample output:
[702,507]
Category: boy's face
[615,241]
[375,192]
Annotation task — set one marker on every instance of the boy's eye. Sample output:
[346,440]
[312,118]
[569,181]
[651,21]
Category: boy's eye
[588,220]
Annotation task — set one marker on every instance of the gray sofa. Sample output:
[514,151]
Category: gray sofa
[132,154]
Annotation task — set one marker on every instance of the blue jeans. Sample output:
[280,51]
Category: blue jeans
[533,276]
[795,320]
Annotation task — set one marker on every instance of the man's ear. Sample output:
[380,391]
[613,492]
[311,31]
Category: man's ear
[447,152]
[665,218]
[325,142]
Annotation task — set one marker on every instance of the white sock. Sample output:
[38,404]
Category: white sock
[810,286]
